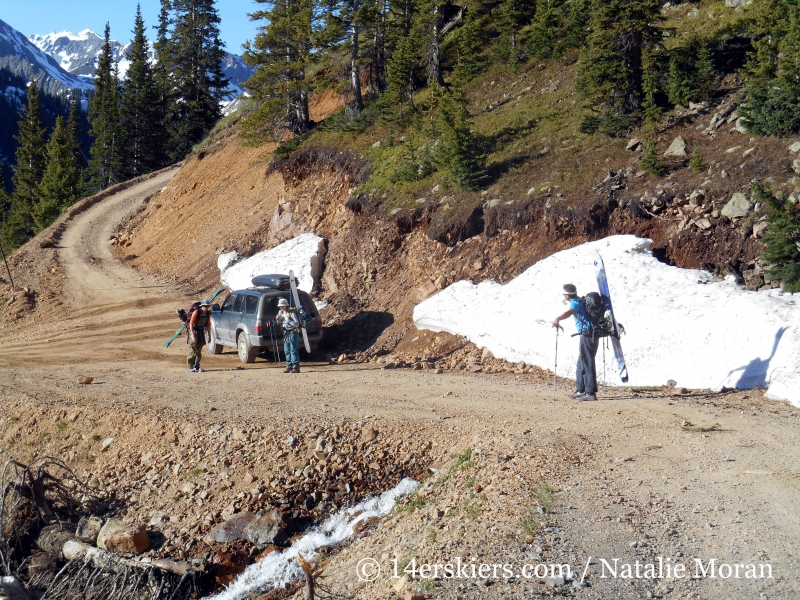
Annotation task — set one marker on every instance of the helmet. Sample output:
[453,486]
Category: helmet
[283,302]
[205,303]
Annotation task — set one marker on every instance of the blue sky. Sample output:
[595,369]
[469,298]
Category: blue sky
[45,16]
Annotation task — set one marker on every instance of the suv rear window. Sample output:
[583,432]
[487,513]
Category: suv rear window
[237,304]
[251,304]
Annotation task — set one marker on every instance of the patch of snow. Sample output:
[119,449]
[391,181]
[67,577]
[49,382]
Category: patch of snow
[304,255]
[226,259]
[680,324]
[277,569]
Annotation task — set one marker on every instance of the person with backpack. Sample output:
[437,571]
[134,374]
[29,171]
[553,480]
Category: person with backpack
[590,333]
[290,322]
[198,324]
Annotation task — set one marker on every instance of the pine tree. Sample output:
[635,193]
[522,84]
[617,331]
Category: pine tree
[139,118]
[576,20]
[677,84]
[59,186]
[470,60]
[199,84]
[782,239]
[30,162]
[105,164]
[281,53]
[705,74]
[771,104]
[651,161]
[165,104]
[610,74]
[460,150]
[650,109]
[545,40]
[402,70]
[697,163]
[74,130]
[512,15]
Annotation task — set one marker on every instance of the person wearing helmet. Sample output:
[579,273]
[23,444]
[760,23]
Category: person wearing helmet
[291,335]
[199,325]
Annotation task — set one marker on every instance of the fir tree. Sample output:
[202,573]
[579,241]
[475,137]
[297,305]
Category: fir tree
[512,15]
[460,150]
[545,39]
[677,84]
[280,53]
[705,74]
[139,118]
[59,186]
[105,164]
[470,60]
[576,20]
[697,163]
[650,109]
[782,239]
[165,104]
[74,130]
[18,226]
[402,71]
[198,81]
[651,160]
[610,75]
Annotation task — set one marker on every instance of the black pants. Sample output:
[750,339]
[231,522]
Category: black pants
[586,373]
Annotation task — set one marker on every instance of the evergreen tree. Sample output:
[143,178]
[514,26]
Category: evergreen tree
[281,53]
[650,109]
[59,186]
[697,163]
[470,60]
[165,104]
[705,74]
[74,130]
[782,239]
[512,15]
[460,150]
[772,102]
[651,160]
[545,40]
[139,118]
[402,71]
[105,164]
[199,84]
[576,20]
[610,75]
[19,225]
[677,84]
[429,22]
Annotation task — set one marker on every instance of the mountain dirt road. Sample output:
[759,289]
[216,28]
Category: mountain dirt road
[689,477]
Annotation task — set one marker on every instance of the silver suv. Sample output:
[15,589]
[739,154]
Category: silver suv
[246,321]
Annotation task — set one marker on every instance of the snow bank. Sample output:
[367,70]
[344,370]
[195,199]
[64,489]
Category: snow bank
[304,255]
[279,568]
[680,324]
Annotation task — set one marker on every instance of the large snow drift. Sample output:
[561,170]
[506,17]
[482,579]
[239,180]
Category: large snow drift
[304,255]
[680,324]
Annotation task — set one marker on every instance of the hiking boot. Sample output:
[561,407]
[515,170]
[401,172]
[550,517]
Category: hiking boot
[588,397]
[577,395]
[192,370]
[287,370]
[296,369]
[199,370]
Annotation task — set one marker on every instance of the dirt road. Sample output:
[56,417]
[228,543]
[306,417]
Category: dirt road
[700,476]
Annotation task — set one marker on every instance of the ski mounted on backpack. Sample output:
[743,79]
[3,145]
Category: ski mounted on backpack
[616,327]
[185,316]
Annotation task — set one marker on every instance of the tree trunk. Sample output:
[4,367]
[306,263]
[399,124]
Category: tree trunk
[435,58]
[356,105]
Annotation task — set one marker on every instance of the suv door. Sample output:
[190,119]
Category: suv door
[229,317]
[248,318]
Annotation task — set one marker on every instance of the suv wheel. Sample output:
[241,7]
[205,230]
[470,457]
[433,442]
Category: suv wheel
[246,352]
[214,346]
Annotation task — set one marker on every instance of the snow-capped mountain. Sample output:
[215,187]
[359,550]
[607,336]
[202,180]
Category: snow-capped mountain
[24,59]
[77,53]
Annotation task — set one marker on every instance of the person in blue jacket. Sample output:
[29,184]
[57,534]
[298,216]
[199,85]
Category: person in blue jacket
[586,372]
[290,322]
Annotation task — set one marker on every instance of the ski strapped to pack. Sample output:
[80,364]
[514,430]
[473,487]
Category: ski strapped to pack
[186,315]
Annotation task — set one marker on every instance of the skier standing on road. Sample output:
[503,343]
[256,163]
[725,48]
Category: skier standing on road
[199,324]
[291,335]
[586,373]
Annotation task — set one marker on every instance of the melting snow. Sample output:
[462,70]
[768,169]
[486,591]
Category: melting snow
[680,324]
[303,254]
[279,568]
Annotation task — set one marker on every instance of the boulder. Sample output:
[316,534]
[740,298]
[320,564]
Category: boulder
[796,165]
[795,147]
[118,536]
[736,3]
[269,529]
[737,207]
[368,434]
[677,148]
[634,145]
[703,224]
[759,229]
[233,528]
[88,529]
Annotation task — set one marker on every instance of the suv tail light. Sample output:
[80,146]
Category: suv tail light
[259,327]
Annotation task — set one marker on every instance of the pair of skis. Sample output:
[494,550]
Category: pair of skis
[180,331]
[297,305]
[602,283]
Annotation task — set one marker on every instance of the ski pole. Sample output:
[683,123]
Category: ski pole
[604,362]
[555,367]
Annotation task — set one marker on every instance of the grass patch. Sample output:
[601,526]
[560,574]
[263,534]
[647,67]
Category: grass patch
[195,472]
[463,463]
[96,437]
[647,388]
[178,497]
[43,435]
[545,495]
[531,525]
[407,558]
[14,419]
[427,585]
[414,502]
[62,425]
[702,429]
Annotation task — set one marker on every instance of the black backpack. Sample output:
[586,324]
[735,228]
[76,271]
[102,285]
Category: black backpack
[599,316]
